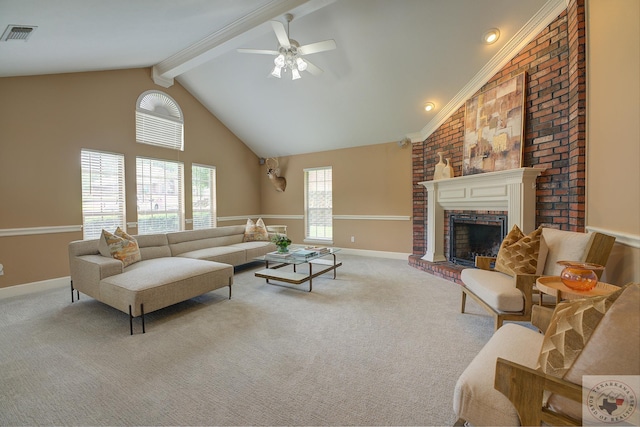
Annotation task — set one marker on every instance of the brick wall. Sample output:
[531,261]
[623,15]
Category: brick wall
[555,108]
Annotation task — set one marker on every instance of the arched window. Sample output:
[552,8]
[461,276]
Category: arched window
[159,121]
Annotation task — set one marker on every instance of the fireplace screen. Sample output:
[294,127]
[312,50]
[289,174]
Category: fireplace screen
[473,235]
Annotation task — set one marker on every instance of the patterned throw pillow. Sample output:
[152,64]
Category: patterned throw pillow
[256,232]
[571,326]
[518,253]
[122,246]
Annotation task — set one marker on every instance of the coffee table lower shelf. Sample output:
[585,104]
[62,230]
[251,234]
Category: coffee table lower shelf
[295,278]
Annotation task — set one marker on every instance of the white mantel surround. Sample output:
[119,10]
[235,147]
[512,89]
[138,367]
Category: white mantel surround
[512,190]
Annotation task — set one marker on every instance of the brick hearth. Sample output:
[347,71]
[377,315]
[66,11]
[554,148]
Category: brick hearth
[446,270]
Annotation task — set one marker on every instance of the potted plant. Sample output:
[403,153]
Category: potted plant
[282,242]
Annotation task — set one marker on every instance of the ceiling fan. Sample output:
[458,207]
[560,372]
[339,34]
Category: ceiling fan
[289,54]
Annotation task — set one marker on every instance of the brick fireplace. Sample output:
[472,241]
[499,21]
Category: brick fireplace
[554,143]
[512,191]
[472,234]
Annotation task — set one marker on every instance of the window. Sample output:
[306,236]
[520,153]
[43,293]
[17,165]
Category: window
[159,121]
[160,200]
[203,190]
[103,202]
[318,203]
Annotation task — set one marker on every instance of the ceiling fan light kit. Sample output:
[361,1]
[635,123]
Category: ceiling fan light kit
[289,54]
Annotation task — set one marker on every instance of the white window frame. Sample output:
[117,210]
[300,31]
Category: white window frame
[159,196]
[103,192]
[310,229]
[159,120]
[200,195]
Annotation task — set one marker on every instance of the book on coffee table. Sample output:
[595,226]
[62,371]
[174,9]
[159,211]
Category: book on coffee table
[304,253]
[277,254]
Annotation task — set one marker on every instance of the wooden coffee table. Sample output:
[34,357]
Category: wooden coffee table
[552,285]
[274,263]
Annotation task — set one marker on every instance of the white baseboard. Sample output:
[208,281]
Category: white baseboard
[29,288]
[375,254]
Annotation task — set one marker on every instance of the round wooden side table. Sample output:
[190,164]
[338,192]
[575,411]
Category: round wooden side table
[552,285]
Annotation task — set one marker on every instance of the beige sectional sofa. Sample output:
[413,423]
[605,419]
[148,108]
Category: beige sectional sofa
[174,267]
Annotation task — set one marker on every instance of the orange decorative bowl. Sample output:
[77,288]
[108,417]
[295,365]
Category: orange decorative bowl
[580,276]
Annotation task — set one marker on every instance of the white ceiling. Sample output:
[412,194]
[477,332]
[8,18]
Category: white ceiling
[393,56]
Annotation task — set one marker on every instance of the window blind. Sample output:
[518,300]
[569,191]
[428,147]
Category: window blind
[103,192]
[203,190]
[159,121]
[160,195]
[318,203]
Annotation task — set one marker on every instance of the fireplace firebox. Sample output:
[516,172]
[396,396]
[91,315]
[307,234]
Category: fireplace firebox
[471,235]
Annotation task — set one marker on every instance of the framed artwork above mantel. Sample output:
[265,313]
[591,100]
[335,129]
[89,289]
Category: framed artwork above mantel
[494,128]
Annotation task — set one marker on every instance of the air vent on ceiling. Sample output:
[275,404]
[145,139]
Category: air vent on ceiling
[17,32]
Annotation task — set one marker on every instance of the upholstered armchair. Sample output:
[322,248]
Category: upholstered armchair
[522,377]
[509,294]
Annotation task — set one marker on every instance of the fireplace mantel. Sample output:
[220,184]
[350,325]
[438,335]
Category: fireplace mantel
[512,190]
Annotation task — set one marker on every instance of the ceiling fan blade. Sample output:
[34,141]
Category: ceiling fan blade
[313,69]
[317,47]
[281,34]
[259,51]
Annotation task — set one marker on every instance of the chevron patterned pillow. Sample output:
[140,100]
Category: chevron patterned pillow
[518,253]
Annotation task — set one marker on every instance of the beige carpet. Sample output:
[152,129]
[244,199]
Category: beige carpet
[383,344]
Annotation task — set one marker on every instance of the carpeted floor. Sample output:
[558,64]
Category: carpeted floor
[383,344]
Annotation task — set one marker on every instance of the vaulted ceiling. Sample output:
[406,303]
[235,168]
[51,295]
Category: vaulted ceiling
[392,57]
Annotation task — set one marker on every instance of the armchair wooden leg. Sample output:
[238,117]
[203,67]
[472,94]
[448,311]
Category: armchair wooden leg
[463,302]
[460,423]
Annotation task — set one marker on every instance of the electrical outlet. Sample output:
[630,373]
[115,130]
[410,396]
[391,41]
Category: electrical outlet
[1,269]
[353,239]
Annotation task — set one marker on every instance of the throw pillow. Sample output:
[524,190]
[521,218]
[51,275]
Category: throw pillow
[571,327]
[256,232]
[613,348]
[122,246]
[518,253]
[103,246]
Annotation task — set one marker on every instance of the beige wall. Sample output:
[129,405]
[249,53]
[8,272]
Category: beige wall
[46,120]
[367,181]
[613,130]
[44,123]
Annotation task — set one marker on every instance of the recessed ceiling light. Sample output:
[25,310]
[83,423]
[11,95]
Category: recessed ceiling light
[429,106]
[491,36]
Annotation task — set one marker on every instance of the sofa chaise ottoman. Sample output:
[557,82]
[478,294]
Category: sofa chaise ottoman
[157,281]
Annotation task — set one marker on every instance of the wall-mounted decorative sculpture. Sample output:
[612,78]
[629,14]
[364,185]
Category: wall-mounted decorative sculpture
[273,172]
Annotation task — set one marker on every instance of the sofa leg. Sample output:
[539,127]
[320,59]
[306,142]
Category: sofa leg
[229,291]
[77,292]
[131,319]
[142,315]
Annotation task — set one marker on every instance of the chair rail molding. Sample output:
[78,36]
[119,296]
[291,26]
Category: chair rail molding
[628,239]
[28,231]
[512,190]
